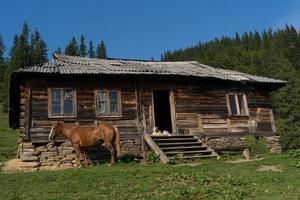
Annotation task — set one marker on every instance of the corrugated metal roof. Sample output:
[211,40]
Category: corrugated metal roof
[62,64]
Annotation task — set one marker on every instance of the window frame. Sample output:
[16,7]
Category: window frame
[74,93]
[237,106]
[107,105]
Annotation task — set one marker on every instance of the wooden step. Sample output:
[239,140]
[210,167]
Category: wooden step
[180,144]
[172,136]
[183,148]
[187,152]
[174,139]
[194,157]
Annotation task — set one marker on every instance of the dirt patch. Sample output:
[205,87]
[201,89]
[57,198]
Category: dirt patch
[270,168]
[13,166]
[16,165]
[243,160]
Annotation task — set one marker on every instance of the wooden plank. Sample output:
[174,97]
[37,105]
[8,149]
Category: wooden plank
[172,110]
[272,121]
[200,123]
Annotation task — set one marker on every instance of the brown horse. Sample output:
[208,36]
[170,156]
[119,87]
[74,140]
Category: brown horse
[82,137]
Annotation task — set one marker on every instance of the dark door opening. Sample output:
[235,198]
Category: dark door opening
[162,112]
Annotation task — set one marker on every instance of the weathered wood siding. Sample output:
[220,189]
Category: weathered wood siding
[199,107]
[203,109]
[85,92]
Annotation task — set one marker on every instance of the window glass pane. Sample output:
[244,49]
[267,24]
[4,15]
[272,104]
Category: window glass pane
[68,102]
[102,107]
[113,96]
[68,95]
[56,95]
[102,102]
[113,106]
[56,108]
[232,105]
[56,102]
[242,105]
[68,108]
[102,96]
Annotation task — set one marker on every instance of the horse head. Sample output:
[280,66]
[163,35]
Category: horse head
[56,129]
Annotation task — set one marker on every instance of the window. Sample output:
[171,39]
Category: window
[108,103]
[237,104]
[62,102]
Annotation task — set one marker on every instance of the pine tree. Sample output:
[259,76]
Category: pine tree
[91,50]
[72,48]
[82,47]
[58,50]
[38,48]
[101,50]
[2,62]
[23,53]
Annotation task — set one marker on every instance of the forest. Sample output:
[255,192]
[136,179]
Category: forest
[271,53]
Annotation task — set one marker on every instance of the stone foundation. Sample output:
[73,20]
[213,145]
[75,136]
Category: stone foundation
[52,157]
[238,143]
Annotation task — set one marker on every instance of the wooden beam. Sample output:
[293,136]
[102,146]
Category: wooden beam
[272,121]
[172,110]
[200,123]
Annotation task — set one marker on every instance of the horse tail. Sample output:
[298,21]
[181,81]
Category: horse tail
[117,142]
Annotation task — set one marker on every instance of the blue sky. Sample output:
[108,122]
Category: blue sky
[142,29]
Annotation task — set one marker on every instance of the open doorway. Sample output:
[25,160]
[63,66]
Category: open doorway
[162,112]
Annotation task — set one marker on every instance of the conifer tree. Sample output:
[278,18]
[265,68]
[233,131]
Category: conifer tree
[2,62]
[101,50]
[91,50]
[82,47]
[72,48]
[58,50]
[23,53]
[38,49]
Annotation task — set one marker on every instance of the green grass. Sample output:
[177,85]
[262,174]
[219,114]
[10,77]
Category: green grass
[211,179]
[8,139]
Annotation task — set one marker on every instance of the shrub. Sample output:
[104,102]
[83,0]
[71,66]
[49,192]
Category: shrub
[256,146]
[295,154]
[151,157]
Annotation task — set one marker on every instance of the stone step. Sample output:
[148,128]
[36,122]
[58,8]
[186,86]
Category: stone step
[183,148]
[188,152]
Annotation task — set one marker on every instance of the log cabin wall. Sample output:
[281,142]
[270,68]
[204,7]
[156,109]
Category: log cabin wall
[199,107]
[85,103]
[202,108]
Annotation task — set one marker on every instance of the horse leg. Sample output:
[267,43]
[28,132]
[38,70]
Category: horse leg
[77,149]
[112,152]
[84,156]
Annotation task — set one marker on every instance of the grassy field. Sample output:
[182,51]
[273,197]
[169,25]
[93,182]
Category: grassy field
[210,179]
[8,139]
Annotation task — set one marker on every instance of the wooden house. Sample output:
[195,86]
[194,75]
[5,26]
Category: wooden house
[184,98]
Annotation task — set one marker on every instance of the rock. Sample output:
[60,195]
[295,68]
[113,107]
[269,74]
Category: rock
[49,154]
[27,145]
[66,165]
[30,153]
[66,152]
[29,158]
[49,168]
[29,164]
[27,150]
